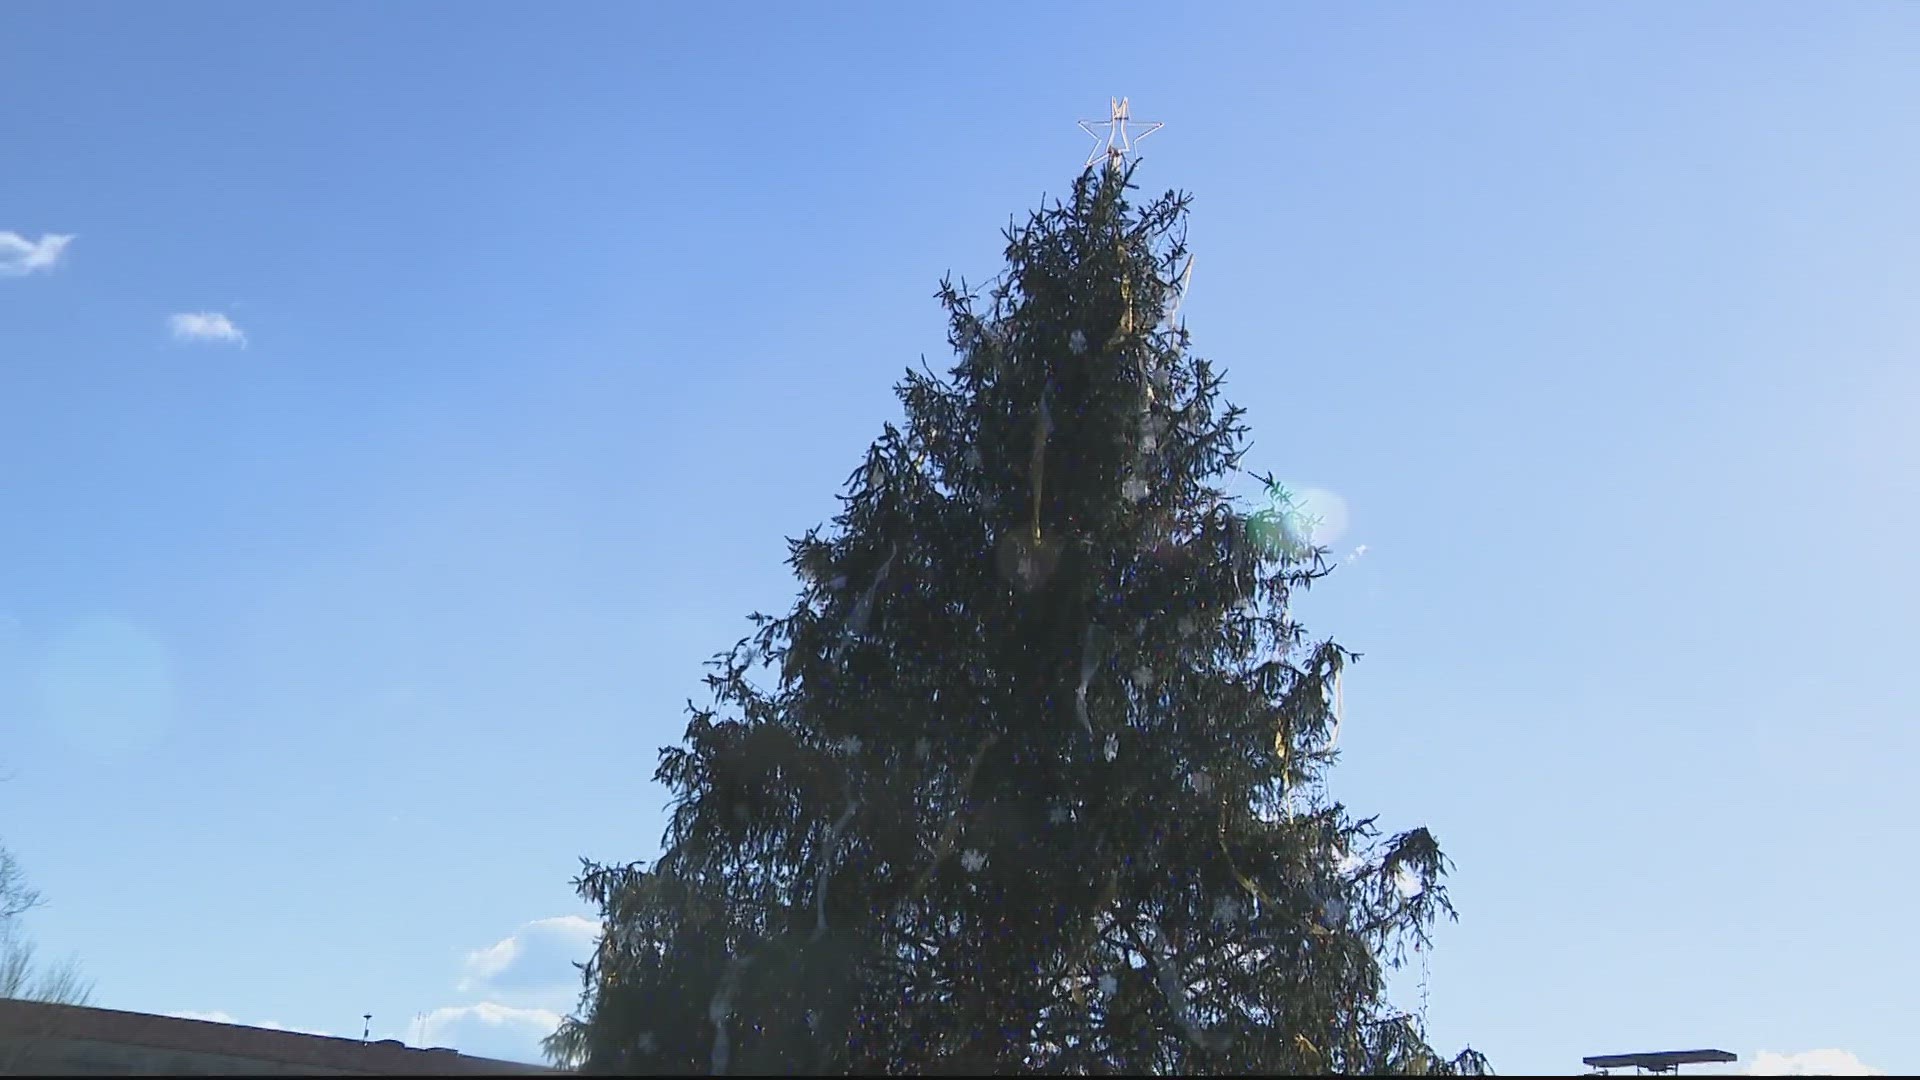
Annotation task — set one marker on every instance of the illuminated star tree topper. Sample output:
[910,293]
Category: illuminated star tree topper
[1118,142]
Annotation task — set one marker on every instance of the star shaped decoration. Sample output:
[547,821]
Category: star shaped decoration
[1118,141]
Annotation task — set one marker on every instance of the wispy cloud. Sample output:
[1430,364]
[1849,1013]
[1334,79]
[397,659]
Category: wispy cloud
[486,1029]
[1357,554]
[213,1017]
[518,989]
[218,1016]
[206,326]
[20,256]
[537,957]
[1810,1063]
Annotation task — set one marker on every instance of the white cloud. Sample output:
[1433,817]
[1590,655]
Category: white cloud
[486,1029]
[1358,553]
[206,326]
[275,1025]
[1406,882]
[20,256]
[484,964]
[218,1016]
[537,957]
[525,983]
[1810,1063]
[214,1017]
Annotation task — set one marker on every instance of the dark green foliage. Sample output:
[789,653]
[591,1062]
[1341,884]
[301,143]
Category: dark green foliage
[1035,786]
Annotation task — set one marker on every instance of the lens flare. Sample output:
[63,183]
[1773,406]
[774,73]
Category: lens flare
[1295,520]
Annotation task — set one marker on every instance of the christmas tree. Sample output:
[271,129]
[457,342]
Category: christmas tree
[1034,781]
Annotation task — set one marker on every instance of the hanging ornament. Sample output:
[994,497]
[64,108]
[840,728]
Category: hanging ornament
[1089,663]
[863,608]
[1133,489]
[973,860]
[1029,561]
[1077,341]
[1024,562]
[1042,431]
[1173,987]
[1178,295]
[1059,815]
[833,841]
[1112,749]
[719,1008]
[1333,737]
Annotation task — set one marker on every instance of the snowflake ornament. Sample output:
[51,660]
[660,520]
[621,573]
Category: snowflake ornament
[973,860]
[850,745]
[1077,341]
[1186,626]
[1143,675]
[1227,911]
[1334,909]
[1133,489]
[1109,985]
[1059,815]
[1112,749]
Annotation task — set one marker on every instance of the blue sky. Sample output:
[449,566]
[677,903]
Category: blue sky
[337,623]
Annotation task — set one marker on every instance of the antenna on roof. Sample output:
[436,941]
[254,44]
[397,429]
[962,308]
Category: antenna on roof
[367,1031]
[1665,1061]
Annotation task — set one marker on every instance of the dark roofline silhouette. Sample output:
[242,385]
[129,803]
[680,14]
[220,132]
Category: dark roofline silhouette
[28,1020]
